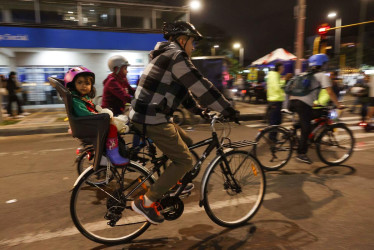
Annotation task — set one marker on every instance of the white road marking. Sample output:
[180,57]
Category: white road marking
[11,201]
[364,146]
[46,235]
[31,152]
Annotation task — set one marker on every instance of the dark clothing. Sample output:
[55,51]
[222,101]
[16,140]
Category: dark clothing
[12,96]
[11,86]
[305,113]
[275,115]
[167,82]
[117,92]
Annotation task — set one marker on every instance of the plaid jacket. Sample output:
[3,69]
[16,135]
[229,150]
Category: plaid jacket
[167,82]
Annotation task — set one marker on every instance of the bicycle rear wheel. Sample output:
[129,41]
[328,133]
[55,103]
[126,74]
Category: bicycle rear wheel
[233,188]
[86,159]
[101,212]
[335,144]
[274,147]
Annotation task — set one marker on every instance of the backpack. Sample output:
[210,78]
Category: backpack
[300,85]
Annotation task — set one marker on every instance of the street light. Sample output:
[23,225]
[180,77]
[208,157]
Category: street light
[338,23]
[236,45]
[195,5]
[241,52]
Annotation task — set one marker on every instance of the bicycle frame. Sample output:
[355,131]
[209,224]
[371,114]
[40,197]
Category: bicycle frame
[212,143]
[320,123]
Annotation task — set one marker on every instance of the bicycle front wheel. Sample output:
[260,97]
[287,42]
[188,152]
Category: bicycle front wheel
[274,147]
[102,213]
[335,144]
[233,188]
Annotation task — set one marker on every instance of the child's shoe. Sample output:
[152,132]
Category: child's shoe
[112,148]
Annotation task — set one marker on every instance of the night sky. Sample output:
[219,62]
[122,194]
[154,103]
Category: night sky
[264,25]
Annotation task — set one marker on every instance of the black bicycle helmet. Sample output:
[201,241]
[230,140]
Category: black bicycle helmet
[179,28]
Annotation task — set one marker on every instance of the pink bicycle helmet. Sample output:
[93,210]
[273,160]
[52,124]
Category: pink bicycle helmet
[74,72]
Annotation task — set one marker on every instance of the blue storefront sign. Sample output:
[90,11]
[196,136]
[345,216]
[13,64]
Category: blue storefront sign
[75,39]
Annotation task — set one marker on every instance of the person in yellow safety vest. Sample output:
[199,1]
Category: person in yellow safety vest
[322,101]
[275,94]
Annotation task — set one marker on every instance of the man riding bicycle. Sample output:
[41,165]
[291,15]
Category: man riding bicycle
[169,80]
[302,105]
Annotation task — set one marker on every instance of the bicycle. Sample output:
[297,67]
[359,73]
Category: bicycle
[144,152]
[232,191]
[334,142]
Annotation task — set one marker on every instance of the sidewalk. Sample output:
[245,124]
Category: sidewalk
[51,120]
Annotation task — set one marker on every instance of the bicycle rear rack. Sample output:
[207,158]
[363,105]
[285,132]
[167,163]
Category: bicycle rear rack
[239,144]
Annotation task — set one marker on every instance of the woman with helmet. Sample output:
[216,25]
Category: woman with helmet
[302,105]
[80,81]
[169,80]
[117,90]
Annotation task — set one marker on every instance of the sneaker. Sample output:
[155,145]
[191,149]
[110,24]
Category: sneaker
[151,213]
[26,113]
[286,111]
[173,191]
[303,158]
[19,116]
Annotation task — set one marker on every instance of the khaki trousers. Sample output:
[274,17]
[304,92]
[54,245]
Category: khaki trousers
[172,141]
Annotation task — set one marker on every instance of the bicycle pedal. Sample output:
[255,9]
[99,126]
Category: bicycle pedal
[185,195]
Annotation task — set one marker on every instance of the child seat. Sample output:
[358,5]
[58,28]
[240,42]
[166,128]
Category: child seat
[92,129]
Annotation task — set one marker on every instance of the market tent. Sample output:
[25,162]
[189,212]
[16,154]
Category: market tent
[277,55]
[260,60]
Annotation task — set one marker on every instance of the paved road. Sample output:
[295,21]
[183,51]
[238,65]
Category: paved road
[305,207]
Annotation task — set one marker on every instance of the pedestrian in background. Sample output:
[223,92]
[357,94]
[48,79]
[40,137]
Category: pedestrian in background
[13,88]
[359,81]
[275,94]
[363,98]
[336,83]
[370,114]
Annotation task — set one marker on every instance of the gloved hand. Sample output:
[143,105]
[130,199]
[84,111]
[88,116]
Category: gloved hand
[204,113]
[231,114]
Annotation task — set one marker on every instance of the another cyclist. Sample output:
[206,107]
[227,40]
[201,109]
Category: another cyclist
[168,81]
[117,90]
[302,105]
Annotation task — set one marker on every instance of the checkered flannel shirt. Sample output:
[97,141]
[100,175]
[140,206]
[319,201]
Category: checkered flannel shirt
[168,81]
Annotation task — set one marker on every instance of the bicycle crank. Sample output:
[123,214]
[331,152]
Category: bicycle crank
[173,208]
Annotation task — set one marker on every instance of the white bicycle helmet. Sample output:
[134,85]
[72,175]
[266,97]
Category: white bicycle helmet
[117,61]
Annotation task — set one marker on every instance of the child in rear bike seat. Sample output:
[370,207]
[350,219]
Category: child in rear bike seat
[80,81]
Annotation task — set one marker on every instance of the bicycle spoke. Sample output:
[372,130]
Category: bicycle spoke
[274,148]
[232,199]
[102,213]
[335,145]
